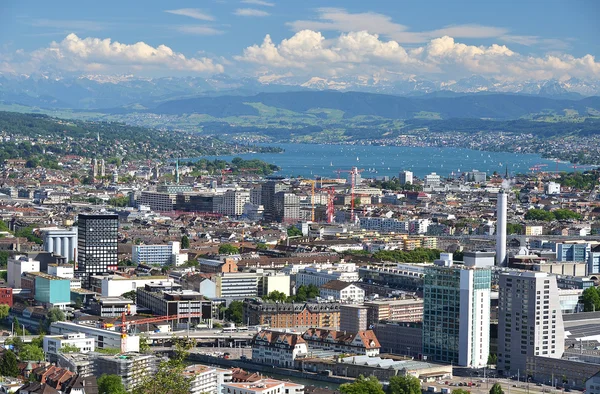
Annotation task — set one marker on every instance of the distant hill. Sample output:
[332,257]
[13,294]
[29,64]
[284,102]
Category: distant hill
[482,106]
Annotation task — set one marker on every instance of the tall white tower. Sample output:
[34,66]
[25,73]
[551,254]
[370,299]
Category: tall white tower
[501,228]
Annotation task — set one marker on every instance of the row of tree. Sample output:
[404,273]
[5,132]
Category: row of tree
[549,216]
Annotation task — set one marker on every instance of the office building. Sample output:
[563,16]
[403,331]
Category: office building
[51,290]
[501,212]
[456,313]
[476,176]
[479,259]
[318,275]
[237,285]
[97,245]
[158,201]
[573,251]
[405,177]
[432,180]
[273,186]
[53,345]
[61,242]
[287,207]
[132,368]
[529,320]
[404,310]
[17,266]
[353,318]
[112,306]
[400,337]
[166,299]
[158,254]
[61,270]
[233,202]
[115,285]
[103,339]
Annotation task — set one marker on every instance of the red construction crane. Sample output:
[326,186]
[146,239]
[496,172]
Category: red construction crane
[330,206]
[353,175]
[223,172]
[125,324]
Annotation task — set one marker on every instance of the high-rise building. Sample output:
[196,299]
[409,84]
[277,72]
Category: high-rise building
[405,177]
[273,186]
[456,313]
[233,202]
[97,245]
[501,208]
[529,320]
[432,180]
[287,207]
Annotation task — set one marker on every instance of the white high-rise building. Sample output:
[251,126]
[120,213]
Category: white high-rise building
[432,180]
[456,313]
[501,208]
[62,242]
[529,320]
[233,202]
[405,177]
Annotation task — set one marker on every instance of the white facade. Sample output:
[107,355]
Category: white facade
[62,271]
[432,180]
[501,209]
[552,188]
[206,379]
[103,339]
[114,286]
[405,177]
[17,266]
[278,348]
[278,282]
[78,340]
[263,386]
[61,242]
[158,254]
[351,294]
[315,275]
[237,285]
[474,325]
[418,226]
[384,224]
[233,202]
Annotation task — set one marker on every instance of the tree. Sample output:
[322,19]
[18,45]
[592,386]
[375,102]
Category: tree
[591,299]
[363,385]
[305,293]
[228,249]
[132,295]
[144,345]
[9,366]
[54,315]
[4,309]
[185,242]
[496,389]
[170,377]
[514,228]
[261,246]
[492,359]
[235,312]
[276,296]
[110,384]
[31,352]
[69,349]
[539,214]
[293,231]
[404,385]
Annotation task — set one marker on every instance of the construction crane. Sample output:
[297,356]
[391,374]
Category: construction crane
[223,172]
[312,198]
[330,206]
[353,175]
[125,324]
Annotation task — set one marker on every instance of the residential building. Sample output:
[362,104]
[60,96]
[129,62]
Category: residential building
[361,342]
[353,318]
[280,349]
[287,207]
[112,306]
[207,380]
[532,231]
[405,177]
[62,242]
[270,282]
[456,313]
[384,224]
[17,266]
[318,275]
[292,315]
[592,385]
[103,339]
[158,254]
[208,266]
[404,310]
[97,245]
[132,368]
[6,296]
[54,345]
[344,292]
[529,320]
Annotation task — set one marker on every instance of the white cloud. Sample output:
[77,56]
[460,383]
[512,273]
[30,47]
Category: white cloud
[84,54]
[259,2]
[250,12]
[309,53]
[192,13]
[199,30]
[338,19]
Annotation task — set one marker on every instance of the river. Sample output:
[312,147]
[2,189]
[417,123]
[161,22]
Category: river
[310,160]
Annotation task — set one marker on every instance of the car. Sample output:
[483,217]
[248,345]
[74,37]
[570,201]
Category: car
[539,384]
[243,357]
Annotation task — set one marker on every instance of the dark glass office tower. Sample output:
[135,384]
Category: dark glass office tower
[97,245]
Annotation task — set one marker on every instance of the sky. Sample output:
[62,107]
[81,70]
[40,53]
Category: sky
[275,39]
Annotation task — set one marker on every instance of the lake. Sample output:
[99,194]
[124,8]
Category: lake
[310,160]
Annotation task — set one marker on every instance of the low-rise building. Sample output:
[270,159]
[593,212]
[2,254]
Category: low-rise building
[54,345]
[158,254]
[51,290]
[263,386]
[167,299]
[292,315]
[406,310]
[278,348]
[361,342]
[112,306]
[207,380]
[344,292]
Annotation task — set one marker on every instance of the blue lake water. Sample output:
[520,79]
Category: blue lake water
[310,160]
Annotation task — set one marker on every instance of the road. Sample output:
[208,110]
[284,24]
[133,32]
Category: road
[507,385]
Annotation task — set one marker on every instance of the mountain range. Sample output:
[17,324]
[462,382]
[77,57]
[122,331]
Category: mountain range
[101,92]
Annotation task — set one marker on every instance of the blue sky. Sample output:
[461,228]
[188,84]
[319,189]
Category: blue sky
[274,39]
